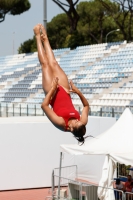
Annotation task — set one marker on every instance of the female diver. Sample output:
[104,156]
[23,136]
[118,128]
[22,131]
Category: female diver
[57,90]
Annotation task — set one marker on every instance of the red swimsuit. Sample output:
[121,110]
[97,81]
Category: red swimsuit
[63,107]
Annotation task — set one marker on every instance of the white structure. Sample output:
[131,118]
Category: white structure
[115,143]
[29,150]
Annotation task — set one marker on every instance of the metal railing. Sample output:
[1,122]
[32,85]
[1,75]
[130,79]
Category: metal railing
[13,110]
[76,190]
[23,109]
[69,172]
[128,196]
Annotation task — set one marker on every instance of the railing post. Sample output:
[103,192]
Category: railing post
[59,175]
[0,109]
[118,170]
[80,192]
[101,112]
[6,110]
[27,110]
[113,112]
[13,110]
[52,179]
[76,171]
[123,196]
[20,109]
[35,109]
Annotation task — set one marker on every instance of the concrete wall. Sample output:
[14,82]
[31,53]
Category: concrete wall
[30,149]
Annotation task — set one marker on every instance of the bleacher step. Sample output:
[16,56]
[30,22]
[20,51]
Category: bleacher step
[109,90]
[106,54]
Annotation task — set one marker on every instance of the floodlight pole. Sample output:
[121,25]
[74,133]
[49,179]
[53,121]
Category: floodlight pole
[111,32]
[45,13]
[13,44]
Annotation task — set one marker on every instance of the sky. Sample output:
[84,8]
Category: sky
[17,29]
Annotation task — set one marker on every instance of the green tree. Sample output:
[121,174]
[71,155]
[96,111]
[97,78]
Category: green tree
[121,11]
[93,25]
[94,22]
[28,46]
[58,30]
[71,12]
[58,33]
[13,7]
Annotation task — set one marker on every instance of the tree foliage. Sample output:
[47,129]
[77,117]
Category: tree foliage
[58,30]
[28,46]
[121,11]
[94,24]
[13,7]
[69,9]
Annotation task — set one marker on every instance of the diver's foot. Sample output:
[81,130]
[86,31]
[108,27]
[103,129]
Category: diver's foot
[43,38]
[43,34]
[36,29]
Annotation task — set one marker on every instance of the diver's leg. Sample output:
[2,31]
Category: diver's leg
[47,75]
[56,69]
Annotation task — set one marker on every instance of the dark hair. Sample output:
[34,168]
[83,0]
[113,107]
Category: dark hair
[117,181]
[79,133]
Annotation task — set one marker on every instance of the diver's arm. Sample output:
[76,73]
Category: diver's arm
[85,111]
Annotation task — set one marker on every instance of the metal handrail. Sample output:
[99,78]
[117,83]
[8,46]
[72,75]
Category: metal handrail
[88,184]
[82,184]
[67,166]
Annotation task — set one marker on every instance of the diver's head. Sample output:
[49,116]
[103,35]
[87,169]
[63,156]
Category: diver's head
[78,129]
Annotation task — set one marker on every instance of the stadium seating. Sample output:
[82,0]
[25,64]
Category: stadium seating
[103,72]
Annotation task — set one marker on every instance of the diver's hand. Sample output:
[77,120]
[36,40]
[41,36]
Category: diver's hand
[54,83]
[73,89]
